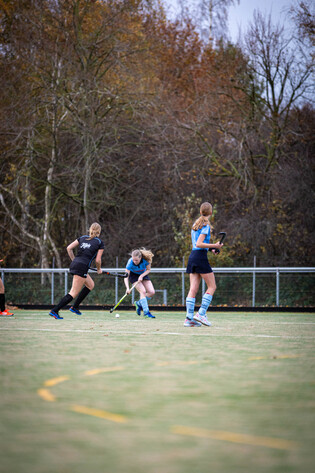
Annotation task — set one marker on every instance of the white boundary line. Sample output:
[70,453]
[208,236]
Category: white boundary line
[189,333]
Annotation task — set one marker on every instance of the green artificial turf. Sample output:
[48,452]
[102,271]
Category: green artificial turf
[96,394]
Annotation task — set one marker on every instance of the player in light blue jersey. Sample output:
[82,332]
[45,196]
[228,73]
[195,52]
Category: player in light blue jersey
[198,267]
[138,268]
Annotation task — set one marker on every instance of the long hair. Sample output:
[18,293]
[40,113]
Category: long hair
[95,230]
[143,253]
[206,212]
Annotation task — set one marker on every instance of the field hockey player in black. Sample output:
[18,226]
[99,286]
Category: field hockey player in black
[90,248]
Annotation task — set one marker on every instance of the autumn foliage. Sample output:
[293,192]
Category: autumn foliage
[110,112]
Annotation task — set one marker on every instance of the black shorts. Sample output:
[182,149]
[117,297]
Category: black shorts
[133,277]
[198,262]
[79,269]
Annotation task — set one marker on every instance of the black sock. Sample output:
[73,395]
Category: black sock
[64,301]
[2,302]
[85,291]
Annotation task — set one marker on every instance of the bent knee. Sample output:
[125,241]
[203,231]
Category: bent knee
[212,289]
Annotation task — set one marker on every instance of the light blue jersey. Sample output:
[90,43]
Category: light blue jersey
[195,235]
[137,269]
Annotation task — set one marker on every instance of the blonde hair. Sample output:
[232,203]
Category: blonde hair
[206,212]
[143,253]
[95,230]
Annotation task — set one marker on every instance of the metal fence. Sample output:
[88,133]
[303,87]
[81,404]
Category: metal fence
[248,287]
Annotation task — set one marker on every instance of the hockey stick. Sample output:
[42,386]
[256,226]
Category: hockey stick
[114,275]
[223,235]
[123,297]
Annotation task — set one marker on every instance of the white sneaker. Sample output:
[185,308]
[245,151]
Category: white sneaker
[191,323]
[203,319]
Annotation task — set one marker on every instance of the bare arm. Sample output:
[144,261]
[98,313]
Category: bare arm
[98,261]
[145,273]
[212,246]
[126,281]
[71,247]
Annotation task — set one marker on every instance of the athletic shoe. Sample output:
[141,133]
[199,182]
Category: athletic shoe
[75,311]
[6,313]
[55,315]
[138,307]
[191,323]
[149,315]
[202,318]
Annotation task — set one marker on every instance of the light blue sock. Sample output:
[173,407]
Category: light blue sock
[190,306]
[144,305]
[206,301]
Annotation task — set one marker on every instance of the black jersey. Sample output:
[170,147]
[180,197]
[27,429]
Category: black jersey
[88,249]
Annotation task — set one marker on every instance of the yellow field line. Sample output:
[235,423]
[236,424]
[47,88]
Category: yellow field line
[99,413]
[54,381]
[103,370]
[235,437]
[46,395]
[276,357]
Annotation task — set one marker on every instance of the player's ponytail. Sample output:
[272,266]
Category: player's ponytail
[143,253]
[95,230]
[147,254]
[206,212]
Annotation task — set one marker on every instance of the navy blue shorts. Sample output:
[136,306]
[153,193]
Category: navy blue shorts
[79,269]
[198,262]
[133,277]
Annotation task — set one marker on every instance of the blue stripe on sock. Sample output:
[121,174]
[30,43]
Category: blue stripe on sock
[190,307]
[206,301]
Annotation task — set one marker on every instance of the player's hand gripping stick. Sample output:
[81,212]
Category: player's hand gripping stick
[223,235]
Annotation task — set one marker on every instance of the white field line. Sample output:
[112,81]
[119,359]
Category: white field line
[269,322]
[133,332]
[229,322]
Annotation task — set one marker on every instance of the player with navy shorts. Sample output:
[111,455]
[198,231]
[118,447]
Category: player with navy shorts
[198,267]
[90,248]
[138,268]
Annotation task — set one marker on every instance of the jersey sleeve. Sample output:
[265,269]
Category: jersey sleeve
[205,230]
[129,264]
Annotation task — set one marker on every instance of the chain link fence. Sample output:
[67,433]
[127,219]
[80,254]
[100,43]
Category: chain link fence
[236,287]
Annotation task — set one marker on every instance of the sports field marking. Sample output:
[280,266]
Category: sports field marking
[273,357]
[192,332]
[103,370]
[54,381]
[100,317]
[167,363]
[264,323]
[99,413]
[46,395]
[234,437]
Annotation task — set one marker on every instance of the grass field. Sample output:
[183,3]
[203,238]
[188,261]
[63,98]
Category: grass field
[96,394]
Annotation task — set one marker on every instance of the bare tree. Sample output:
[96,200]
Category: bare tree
[209,16]
[303,14]
[284,70]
